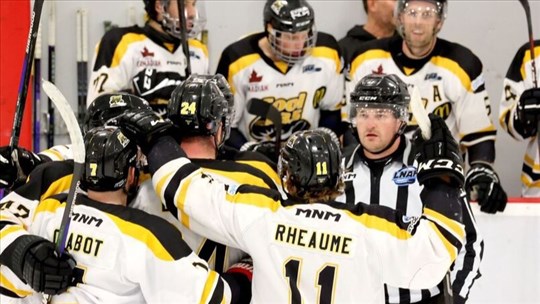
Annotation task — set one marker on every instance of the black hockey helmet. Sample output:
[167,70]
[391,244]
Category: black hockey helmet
[381,91]
[195,21]
[225,89]
[109,156]
[291,16]
[150,8]
[311,162]
[110,105]
[197,107]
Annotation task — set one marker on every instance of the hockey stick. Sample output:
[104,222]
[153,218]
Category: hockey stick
[527,10]
[422,118]
[77,143]
[52,70]
[267,110]
[37,94]
[183,34]
[82,63]
[25,77]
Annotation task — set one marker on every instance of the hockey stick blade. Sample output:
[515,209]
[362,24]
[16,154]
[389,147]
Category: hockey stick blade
[420,114]
[266,110]
[77,142]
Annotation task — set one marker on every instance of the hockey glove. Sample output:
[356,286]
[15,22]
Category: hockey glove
[438,156]
[144,127]
[14,170]
[483,185]
[239,277]
[34,260]
[156,87]
[528,111]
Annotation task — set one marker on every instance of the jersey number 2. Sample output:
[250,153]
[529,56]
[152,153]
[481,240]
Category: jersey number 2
[326,277]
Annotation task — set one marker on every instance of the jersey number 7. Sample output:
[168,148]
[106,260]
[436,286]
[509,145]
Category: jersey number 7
[325,281]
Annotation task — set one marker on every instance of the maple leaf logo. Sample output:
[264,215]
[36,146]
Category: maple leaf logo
[146,53]
[254,77]
[379,70]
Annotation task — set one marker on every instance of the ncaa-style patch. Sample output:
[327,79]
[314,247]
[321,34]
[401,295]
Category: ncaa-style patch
[405,176]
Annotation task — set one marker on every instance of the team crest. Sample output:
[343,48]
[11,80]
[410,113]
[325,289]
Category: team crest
[117,101]
[277,6]
[123,140]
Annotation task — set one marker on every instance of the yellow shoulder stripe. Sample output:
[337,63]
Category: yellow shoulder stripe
[143,235]
[48,205]
[265,168]
[198,44]
[122,47]
[449,247]
[450,224]
[60,185]
[326,52]
[455,69]
[239,65]
[254,199]
[381,224]
[369,55]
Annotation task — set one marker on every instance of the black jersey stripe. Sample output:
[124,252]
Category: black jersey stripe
[217,295]
[115,39]
[159,235]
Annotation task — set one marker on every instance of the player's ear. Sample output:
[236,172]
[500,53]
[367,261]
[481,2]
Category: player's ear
[439,26]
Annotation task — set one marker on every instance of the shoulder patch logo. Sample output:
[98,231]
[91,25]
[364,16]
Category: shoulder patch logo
[405,176]
[311,68]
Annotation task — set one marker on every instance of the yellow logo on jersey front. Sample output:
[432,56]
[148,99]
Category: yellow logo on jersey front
[291,109]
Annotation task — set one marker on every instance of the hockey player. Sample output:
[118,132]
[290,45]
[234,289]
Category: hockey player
[289,65]
[200,133]
[520,113]
[451,83]
[381,171]
[102,109]
[148,61]
[107,238]
[299,252]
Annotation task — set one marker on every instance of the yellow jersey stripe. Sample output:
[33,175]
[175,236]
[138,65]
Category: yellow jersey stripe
[527,58]
[381,224]
[450,224]
[208,289]
[453,67]
[253,199]
[161,183]
[48,205]
[122,47]
[9,286]
[326,52]
[10,229]
[196,43]
[369,55]
[531,164]
[143,235]
[58,186]
[449,247]
[240,64]
[181,199]
[282,66]
[265,168]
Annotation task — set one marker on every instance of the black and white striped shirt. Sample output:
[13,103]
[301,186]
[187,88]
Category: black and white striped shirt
[392,182]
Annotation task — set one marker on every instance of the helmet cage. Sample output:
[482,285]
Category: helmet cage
[172,26]
[288,54]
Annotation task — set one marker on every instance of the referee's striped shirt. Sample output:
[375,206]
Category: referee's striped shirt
[392,182]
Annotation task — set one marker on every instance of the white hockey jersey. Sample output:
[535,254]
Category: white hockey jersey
[124,52]
[450,81]
[518,79]
[299,92]
[312,253]
[123,255]
[252,171]
[392,182]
